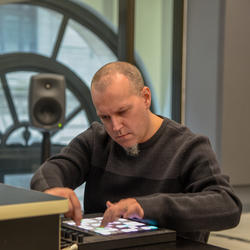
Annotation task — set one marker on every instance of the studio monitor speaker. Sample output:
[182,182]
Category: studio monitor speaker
[47,101]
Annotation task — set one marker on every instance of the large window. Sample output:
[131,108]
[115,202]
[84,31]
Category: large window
[154,44]
[34,39]
[73,38]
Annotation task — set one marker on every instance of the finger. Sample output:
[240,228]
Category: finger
[76,207]
[105,220]
[108,215]
[69,213]
[74,211]
[111,214]
[78,216]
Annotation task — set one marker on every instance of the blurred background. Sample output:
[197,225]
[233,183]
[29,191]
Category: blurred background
[194,55]
[73,38]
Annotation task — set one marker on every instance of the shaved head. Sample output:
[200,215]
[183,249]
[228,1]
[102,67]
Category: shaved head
[105,76]
[122,103]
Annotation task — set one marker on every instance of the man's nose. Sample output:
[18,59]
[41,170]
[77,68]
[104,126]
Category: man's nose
[116,123]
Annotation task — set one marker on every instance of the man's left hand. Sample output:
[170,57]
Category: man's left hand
[126,208]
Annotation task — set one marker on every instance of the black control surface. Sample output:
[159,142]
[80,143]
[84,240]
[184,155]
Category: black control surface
[71,234]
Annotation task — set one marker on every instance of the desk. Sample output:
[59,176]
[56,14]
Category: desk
[29,219]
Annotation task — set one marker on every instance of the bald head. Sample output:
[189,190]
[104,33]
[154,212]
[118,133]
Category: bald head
[105,76]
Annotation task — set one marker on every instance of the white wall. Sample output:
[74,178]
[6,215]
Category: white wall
[203,84]
[218,80]
[236,92]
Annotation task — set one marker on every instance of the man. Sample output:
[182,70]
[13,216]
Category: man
[139,164]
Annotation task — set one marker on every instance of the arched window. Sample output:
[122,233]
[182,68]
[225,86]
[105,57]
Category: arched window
[64,37]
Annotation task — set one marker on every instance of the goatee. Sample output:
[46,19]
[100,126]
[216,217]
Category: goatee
[133,151]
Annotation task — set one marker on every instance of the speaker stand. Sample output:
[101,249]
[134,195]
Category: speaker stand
[45,146]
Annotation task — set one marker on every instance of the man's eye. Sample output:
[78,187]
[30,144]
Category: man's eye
[104,117]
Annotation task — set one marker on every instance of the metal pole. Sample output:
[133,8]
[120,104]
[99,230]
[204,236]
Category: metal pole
[45,154]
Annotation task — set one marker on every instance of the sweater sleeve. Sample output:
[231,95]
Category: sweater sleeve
[69,168]
[207,202]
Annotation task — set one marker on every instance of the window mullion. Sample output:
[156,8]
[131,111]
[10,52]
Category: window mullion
[9,99]
[60,36]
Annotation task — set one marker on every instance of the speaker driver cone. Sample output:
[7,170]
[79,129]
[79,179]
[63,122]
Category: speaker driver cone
[47,111]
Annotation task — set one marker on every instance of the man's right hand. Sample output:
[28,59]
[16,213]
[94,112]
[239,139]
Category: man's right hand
[74,204]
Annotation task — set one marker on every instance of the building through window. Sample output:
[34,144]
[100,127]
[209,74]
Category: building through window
[66,37]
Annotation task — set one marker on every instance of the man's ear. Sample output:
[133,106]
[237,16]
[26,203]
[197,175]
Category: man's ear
[146,94]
